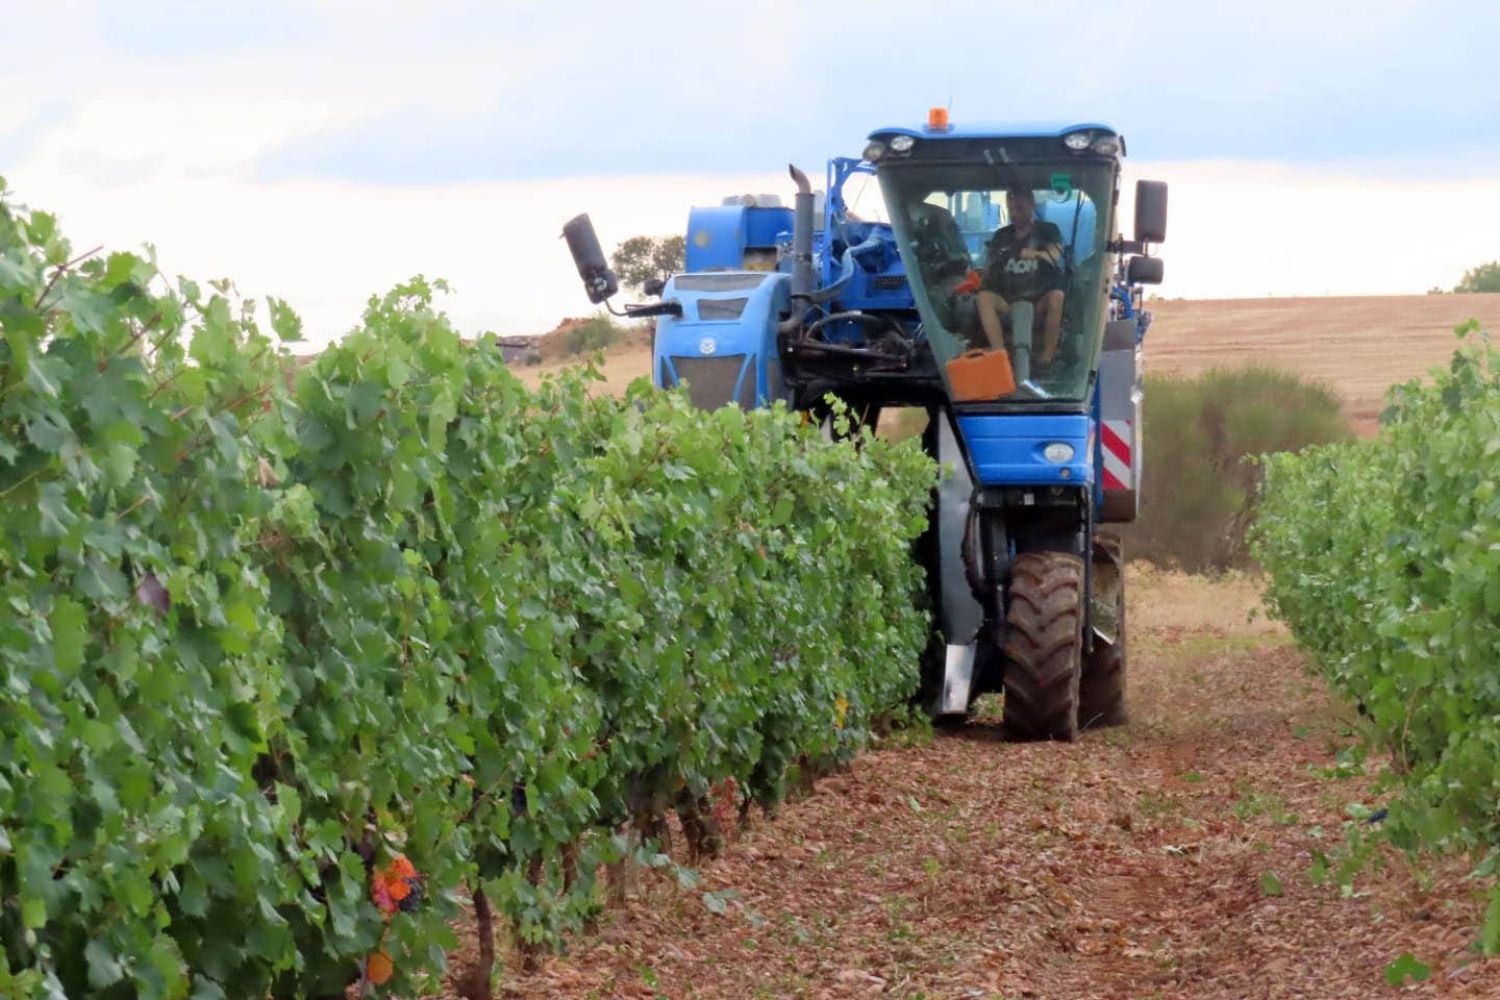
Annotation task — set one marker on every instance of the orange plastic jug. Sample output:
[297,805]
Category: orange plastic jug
[979,375]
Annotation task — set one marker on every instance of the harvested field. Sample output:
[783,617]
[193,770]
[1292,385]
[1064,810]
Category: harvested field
[1359,346]
[1169,859]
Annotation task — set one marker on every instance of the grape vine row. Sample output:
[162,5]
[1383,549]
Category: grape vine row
[1384,558]
[266,626]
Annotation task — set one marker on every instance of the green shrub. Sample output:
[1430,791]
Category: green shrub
[1202,436]
[1384,558]
[256,639]
[593,335]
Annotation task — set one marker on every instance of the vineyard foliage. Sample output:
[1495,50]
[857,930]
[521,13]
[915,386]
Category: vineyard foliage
[1384,558]
[265,627]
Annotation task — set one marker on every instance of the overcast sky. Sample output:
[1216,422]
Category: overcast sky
[322,151]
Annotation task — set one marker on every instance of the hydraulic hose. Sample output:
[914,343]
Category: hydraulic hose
[846,271]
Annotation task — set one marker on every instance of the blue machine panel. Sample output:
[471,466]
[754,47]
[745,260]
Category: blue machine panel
[724,343]
[1007,448]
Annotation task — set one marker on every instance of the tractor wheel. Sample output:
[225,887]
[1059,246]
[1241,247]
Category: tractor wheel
[1044,646]
[1101,699]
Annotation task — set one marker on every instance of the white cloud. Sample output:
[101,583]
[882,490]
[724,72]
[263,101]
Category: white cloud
[1241,229]
[326,247]
[132,147]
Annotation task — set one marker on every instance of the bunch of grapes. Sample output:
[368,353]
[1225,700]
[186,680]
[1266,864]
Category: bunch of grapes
[396,887]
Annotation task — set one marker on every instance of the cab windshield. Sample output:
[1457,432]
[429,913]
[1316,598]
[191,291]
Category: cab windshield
[1008,266]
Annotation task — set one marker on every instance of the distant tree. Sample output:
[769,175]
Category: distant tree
[1484,278]
[641,258]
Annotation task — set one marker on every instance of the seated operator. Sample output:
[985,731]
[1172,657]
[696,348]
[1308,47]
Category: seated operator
[1024,264]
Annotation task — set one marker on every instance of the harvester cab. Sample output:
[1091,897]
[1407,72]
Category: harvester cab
[997,297]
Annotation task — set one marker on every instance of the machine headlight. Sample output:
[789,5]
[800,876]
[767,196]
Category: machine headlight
[1108,145]
[902,144]
[1058,452]
[874,151]
[1077,141]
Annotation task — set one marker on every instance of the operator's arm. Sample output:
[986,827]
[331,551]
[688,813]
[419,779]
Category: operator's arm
[1050,252]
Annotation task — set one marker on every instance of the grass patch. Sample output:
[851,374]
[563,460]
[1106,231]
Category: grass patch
[1156,805]
[1254,804]
[1201,645]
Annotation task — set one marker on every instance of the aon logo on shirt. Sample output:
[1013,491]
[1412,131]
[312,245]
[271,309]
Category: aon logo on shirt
[1018,266]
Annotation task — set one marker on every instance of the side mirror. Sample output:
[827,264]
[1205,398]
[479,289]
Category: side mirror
[1150,211]
[1144,271]
[598,280]
[653,287]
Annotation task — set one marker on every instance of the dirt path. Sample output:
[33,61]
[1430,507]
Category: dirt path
[1167,859]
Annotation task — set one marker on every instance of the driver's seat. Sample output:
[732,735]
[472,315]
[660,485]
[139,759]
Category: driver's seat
[938,242]
[1074,217]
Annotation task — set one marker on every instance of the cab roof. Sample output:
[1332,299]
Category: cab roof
[994,130]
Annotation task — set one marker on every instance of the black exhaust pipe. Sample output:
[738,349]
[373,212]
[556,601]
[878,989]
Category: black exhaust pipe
[802,262]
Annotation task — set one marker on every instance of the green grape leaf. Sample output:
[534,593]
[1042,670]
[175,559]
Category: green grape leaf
[69,625]
[49,431]
[55,513]
[33,913]
[286,323]
[104,969]
[1406,965]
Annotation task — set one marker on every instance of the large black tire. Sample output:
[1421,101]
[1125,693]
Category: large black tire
[1101,697]
[1043,647]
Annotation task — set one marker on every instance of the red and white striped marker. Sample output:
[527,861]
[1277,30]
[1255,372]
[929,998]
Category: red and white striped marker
[1114,435]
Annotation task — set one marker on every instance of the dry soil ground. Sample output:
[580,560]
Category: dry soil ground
[1170,858]
[1359,346]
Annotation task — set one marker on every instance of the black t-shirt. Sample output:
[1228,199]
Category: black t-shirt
[1015,279]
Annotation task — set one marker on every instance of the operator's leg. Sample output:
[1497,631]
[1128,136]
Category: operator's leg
[1051,308]
[991,308]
